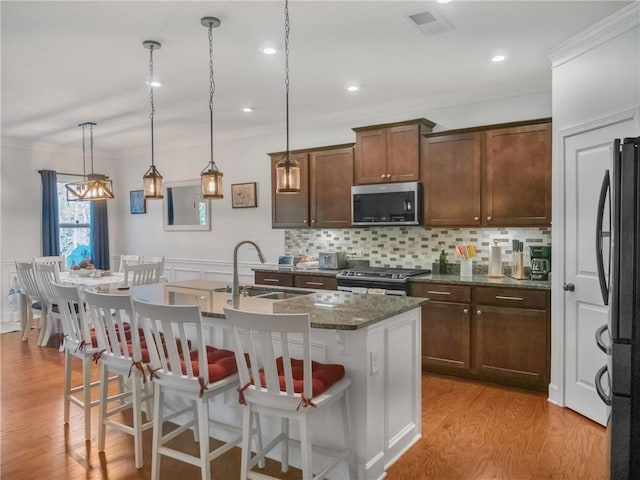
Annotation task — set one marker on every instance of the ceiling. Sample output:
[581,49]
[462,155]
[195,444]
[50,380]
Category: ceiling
[64,63]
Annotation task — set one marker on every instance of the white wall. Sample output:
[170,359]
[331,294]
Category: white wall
[595,75]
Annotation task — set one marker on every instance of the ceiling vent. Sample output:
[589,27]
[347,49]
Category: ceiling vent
[428,23]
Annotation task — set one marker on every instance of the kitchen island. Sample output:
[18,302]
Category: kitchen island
[376,338]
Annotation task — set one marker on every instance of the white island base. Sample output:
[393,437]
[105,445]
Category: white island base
[383,362]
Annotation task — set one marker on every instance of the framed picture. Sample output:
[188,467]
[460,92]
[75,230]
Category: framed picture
[137,203]
[243,195]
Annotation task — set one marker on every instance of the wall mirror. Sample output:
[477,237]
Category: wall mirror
[184,208]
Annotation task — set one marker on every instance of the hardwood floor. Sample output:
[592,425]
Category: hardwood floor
[470,431]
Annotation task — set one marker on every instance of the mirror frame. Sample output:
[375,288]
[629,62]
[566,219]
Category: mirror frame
[165,210]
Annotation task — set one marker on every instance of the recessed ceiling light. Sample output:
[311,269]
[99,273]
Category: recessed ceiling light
[498,58]
[247,109]
[269,51]
[353,88]
[154,83]
[443,1]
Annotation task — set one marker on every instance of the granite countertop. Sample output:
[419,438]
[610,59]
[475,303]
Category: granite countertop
[480,280]
[299,271]
[326,308]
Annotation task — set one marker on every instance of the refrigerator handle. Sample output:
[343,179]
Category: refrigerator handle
[601,345]
[601,393]
[604,289]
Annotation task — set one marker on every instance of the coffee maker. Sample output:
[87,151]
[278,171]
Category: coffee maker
[540,262]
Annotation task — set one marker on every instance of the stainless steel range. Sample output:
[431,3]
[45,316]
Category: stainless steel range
[381,280]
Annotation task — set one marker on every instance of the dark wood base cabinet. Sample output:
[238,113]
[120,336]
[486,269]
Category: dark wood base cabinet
[493,334]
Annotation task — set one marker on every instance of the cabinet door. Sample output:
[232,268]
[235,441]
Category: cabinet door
[331,178]
[370,157]
[511,344]
[450,173]
[290,210]
[517,187]
[446,336]
[403,153]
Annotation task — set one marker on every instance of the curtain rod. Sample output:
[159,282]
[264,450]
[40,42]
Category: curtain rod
[71,174]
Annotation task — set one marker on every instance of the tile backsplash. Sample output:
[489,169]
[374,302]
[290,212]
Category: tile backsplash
[412,247]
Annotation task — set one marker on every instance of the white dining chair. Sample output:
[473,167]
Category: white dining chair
[273,382]
[46,275]
[121,355]
[79,343]
[59,260]
[160,260]
[29,288]
[142,274]
[128,260]
[187,369]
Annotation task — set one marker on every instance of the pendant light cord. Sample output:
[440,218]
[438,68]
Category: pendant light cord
[151,98]
[287,28]
[91,145]
[212,89]
[84,168]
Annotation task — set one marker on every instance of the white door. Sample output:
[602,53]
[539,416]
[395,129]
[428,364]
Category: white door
[587,155]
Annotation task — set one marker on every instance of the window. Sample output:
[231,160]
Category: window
[75,220]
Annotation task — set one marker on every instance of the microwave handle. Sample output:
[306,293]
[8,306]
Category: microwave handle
[606,187]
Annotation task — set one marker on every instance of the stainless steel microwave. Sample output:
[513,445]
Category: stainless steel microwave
[387,204]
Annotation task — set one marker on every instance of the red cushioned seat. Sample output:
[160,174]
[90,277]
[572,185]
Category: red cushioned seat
[323,375]
[221,363]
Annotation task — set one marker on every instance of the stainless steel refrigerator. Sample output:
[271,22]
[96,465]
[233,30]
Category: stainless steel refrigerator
[618,382]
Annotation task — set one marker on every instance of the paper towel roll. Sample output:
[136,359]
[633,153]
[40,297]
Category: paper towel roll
[495,261]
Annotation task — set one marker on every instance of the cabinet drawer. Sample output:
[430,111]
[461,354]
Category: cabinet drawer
[511,297]
[269,278]
[441,293]
[319,282]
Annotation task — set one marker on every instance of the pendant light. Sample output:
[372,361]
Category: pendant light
[288,169]
[152,178]
[94,186]
[211,177]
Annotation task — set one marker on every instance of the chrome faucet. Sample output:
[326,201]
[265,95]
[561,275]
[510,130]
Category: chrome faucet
[236,283]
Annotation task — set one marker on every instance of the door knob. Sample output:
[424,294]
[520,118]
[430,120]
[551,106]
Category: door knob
[568,287]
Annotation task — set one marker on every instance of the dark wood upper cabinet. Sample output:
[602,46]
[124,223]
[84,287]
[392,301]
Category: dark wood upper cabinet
[290,210]
[331,177]
[326,176]
[492,176]
[389,153]
[450,171]
[517,188]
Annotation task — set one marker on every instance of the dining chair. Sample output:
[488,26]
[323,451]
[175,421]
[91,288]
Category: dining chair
[46,274]
[160,260]
[128,260]
[286,387]
[142,274]
[79,343]
[60,260]
[120,354]
[195,375]
[29,288]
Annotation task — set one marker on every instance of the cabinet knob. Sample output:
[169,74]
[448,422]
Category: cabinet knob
[313,221]
[382,176]
[489,217]
[476,219]
[479,312]
[388,175]
[466,310]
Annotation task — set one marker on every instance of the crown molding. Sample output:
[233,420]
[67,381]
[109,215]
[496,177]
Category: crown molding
[614,25]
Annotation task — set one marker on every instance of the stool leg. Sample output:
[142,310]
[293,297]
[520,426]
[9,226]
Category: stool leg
[137,419]
[104,387]
[348,439]
[246,441]
[67,385]
[157,431]
[203,434]
[284,425]
[86,391]
[305,447]
[259,444]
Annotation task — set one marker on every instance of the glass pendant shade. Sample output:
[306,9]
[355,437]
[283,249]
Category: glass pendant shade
[211,182]
[287,175]
[152,183]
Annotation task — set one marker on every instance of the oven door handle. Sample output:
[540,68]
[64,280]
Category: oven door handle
[606,398]
[601,345]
